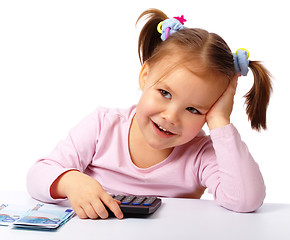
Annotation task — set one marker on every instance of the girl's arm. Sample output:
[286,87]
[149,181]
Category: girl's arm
[59,175]
[230,172]
[73,153]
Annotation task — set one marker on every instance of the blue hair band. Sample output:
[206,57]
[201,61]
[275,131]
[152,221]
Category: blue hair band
[170,26]
[241,61]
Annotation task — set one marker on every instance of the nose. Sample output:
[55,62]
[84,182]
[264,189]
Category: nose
[170,115]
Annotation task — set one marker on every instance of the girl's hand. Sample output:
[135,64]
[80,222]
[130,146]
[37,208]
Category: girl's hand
[219,114]
[86,195]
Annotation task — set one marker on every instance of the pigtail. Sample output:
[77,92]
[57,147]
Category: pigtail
[149,37]
[257,99]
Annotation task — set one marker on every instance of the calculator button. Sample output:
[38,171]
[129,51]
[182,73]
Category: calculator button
[149,201]
[132,205]
[127,200]
[119,197]
[138,200]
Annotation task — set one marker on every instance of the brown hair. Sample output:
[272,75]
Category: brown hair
[212,51]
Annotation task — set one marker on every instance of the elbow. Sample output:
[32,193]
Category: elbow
[31,183]
[39,180]
[252,202]
[35,184]
[246,202]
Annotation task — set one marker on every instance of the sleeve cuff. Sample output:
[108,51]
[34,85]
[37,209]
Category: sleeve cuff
[222,132]
[39,183]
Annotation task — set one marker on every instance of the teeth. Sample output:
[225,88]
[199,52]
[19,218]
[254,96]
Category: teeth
[163,129]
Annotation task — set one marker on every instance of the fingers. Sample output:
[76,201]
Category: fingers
[234,82]
[96,208]
[80,212]
[100,209]
[113,205]
[84,210]
[88,198]
[92,210]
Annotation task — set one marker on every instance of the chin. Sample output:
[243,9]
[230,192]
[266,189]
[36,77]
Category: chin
[159,146]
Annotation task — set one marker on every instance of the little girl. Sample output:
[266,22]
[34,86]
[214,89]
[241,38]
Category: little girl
[157,147]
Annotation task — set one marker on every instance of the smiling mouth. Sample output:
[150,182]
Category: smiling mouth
[161,129]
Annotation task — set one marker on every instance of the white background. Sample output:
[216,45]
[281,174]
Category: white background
[59,60]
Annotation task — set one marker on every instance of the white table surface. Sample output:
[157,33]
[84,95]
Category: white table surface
[175,219]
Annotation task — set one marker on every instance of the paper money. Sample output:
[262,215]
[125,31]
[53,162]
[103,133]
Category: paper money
[41,216]
[44,216]
[10,213]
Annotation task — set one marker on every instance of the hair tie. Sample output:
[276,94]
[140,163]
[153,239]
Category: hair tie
[170,26]
[241,61]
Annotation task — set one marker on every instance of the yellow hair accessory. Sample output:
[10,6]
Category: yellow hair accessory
[248,54]
[159,27]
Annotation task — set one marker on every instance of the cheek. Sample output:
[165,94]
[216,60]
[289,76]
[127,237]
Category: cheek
[147,104]
[193,127]
[144,109]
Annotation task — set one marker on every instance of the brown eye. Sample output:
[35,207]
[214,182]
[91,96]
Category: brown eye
[193,110]
[165,94]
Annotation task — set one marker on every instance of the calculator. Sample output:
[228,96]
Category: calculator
[138,205]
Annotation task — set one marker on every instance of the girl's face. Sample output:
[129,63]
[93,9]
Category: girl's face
[172,110]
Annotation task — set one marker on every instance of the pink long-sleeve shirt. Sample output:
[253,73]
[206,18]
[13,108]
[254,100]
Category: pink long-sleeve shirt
[98,146]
